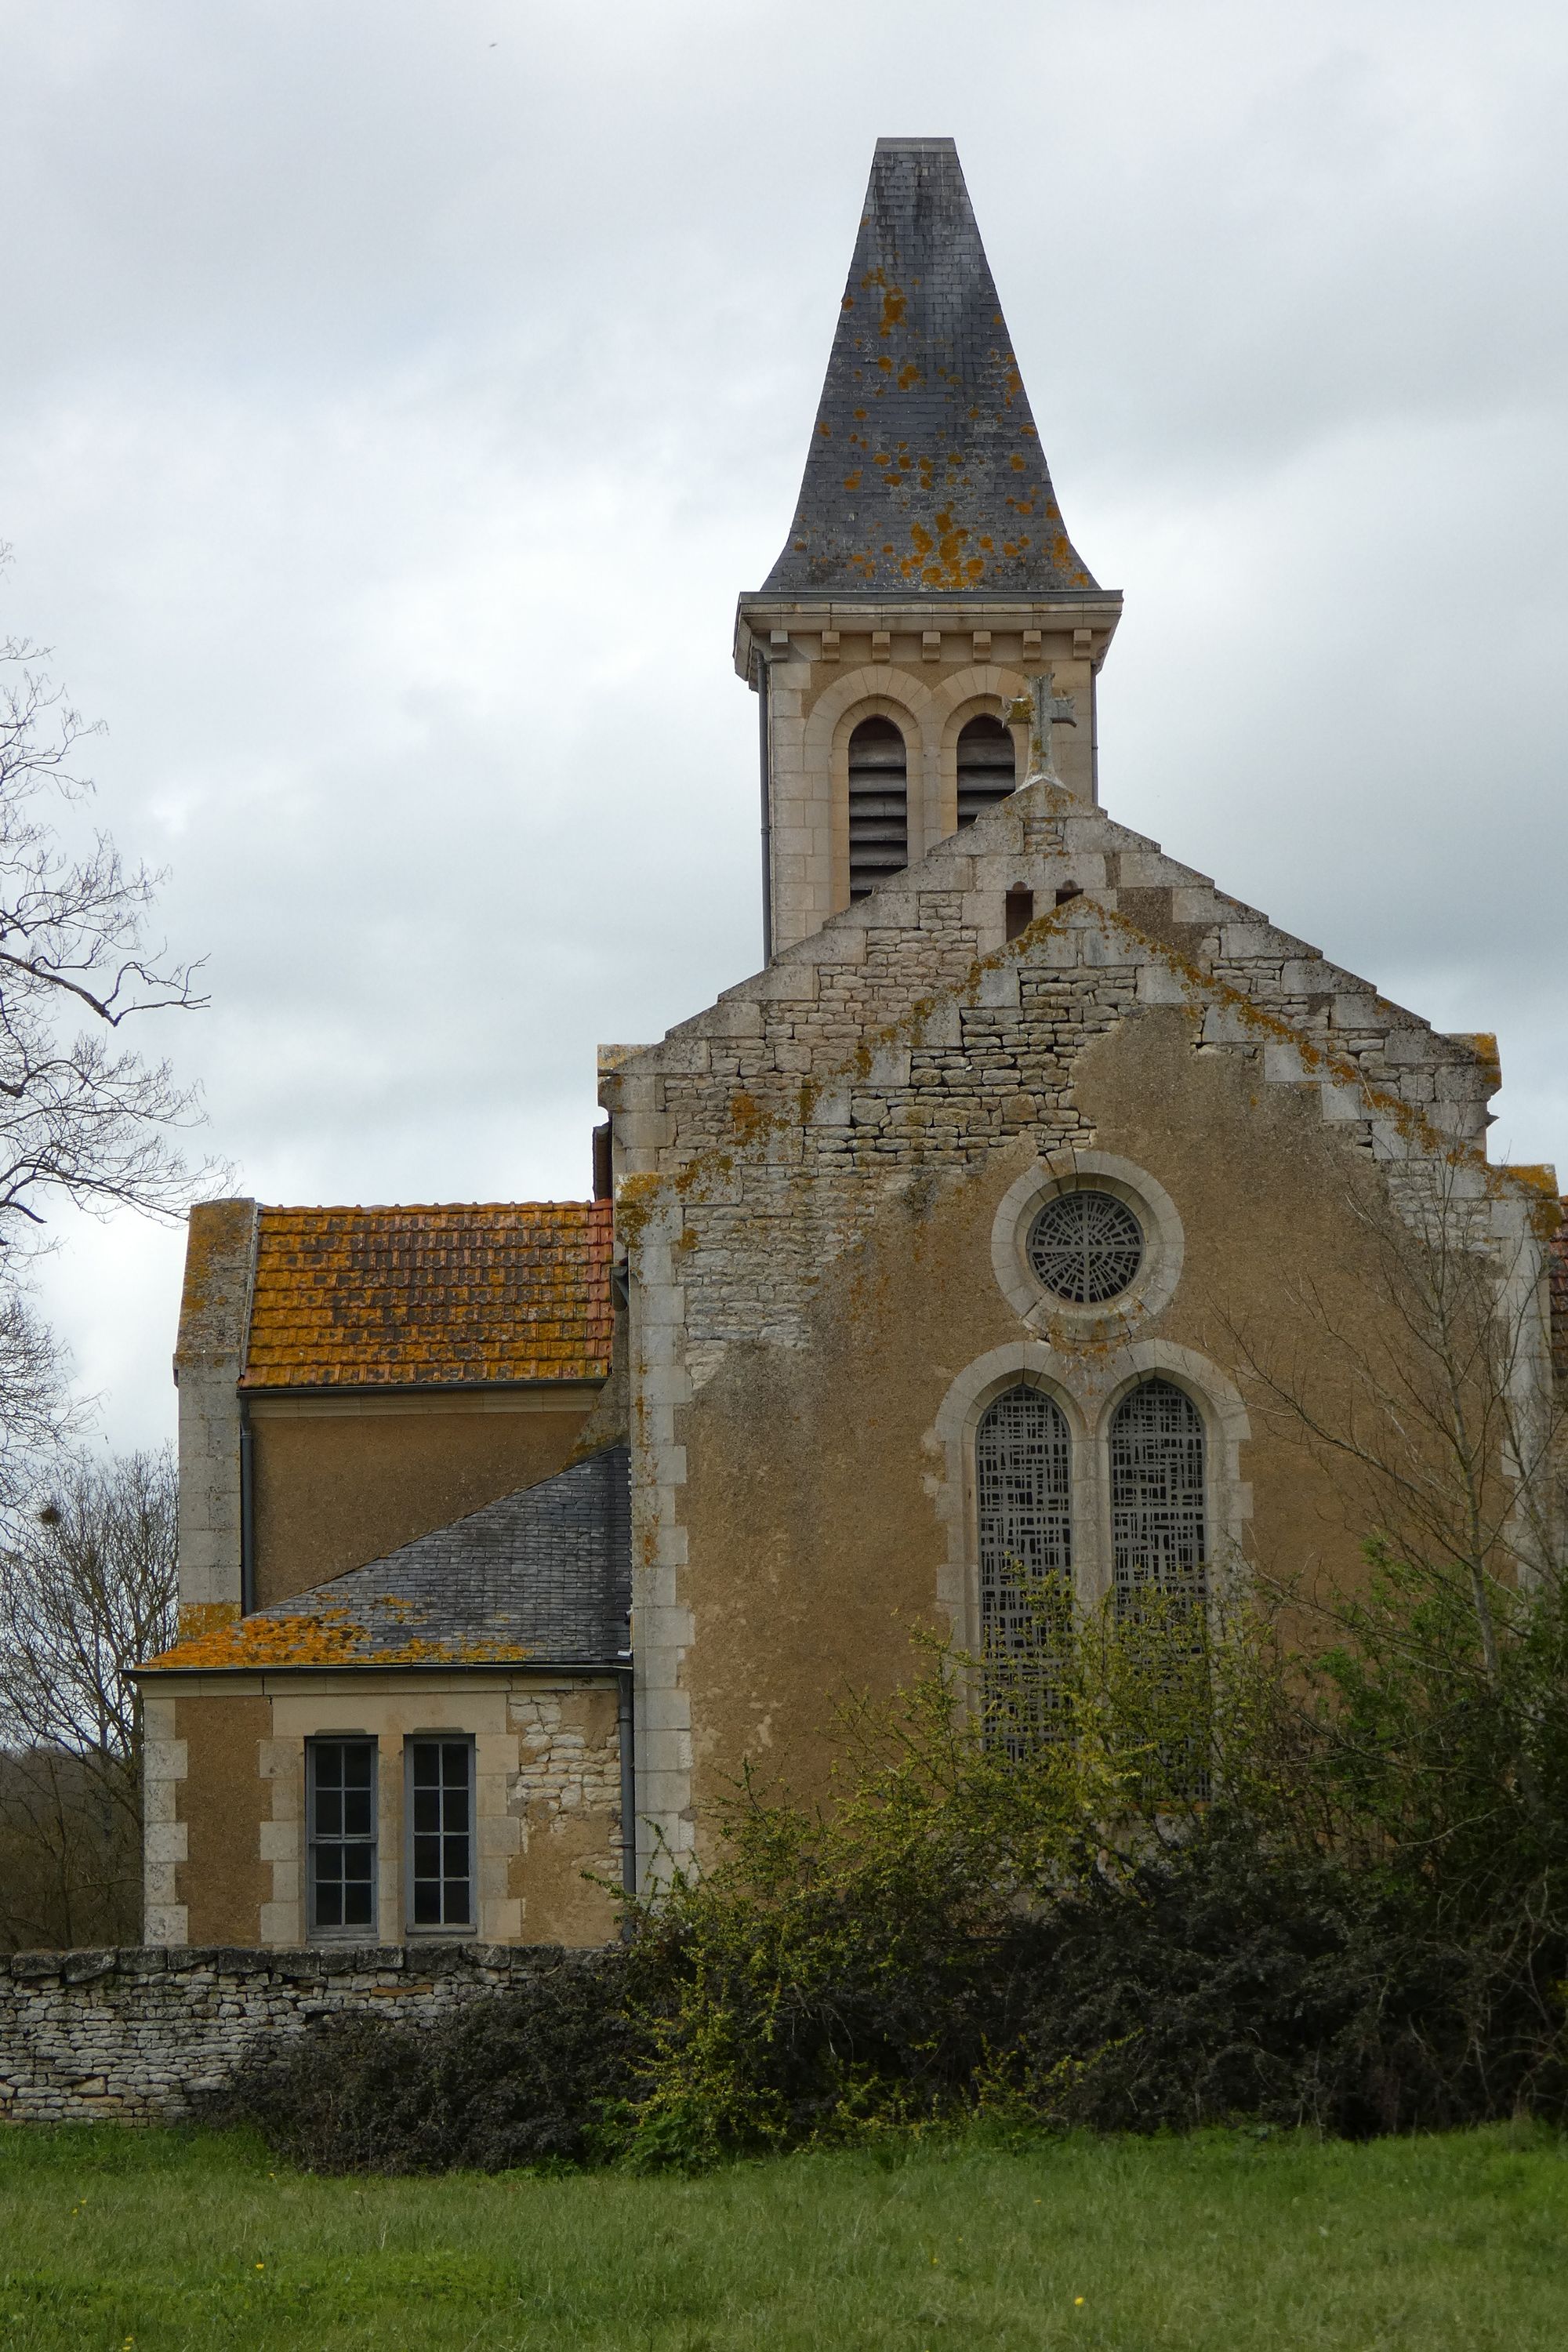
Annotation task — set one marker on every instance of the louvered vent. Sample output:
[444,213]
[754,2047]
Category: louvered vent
[878,804]
[987,772]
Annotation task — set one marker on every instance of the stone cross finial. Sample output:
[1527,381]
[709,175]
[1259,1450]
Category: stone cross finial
[1042,710]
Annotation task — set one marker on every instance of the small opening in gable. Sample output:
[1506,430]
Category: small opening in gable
[1020,911]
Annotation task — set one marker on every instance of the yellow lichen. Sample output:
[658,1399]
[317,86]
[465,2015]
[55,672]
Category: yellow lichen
[328,1637]
[199,1618]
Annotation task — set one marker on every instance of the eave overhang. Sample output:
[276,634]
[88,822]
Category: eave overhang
[760,618]
[281,1670]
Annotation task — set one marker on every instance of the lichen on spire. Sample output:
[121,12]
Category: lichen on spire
[925,474]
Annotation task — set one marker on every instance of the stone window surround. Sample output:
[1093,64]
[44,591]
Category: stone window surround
[1087,1389]
[931,718]
[392,1720]
[1155,1285]
[491,1708]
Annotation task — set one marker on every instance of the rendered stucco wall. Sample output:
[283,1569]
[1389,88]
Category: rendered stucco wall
[224,1767]
[808,1179]
[344,1480]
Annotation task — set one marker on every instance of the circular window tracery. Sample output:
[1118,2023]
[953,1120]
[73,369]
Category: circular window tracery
[1086,1246]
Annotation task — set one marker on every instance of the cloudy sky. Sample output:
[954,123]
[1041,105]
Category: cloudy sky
[395,394]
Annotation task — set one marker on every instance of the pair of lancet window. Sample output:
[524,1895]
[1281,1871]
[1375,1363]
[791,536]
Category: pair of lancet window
[1023,1465]
[879,791]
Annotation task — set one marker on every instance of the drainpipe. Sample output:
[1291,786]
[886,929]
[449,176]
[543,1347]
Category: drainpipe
[246,1510]
[1094,736]
[765,762]
[627,1739]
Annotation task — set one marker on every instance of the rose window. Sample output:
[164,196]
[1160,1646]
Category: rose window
[1086,1247]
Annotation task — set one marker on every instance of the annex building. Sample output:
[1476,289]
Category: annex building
[937,1256]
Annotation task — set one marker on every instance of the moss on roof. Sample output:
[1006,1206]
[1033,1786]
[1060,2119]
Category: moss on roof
[392,1297]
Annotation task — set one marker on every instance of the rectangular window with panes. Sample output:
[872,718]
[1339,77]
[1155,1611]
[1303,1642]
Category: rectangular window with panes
[441,1843]
[340,1797]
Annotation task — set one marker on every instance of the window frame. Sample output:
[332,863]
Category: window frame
[1198,1514]
[442,1929]
[341,1932]
[1088,1385]
[1057,1437]
[1014,1651]
[1138,1241]
[1183,1590]
[1152,1286]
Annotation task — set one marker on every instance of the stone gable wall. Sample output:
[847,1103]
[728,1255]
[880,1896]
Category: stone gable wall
[908,1047]
[909,1039]
[928,933]
[141,2035]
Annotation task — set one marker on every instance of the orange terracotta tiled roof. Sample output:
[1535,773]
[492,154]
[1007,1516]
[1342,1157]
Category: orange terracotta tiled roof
[373,1298]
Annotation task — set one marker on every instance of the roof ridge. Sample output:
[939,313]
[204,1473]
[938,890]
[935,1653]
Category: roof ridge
[416,1208]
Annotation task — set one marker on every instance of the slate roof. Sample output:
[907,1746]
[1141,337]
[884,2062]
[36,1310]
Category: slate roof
[925,472]
[1557,1291]
[468,1293]
[543,1576]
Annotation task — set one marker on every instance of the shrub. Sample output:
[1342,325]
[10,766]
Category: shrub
[1231,1885]
[1229,1981]
[508,2079]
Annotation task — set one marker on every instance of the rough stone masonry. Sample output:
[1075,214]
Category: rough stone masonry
[141,2035]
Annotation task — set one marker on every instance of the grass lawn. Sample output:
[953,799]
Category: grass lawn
[114,2241]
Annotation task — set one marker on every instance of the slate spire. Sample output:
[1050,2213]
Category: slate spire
[925,474]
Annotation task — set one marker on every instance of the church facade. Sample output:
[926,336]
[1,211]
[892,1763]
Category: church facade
[971,1242]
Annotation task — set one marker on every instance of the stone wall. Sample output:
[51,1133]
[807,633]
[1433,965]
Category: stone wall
[824,1150]
[908,1036]
[225,1765]
[140,2035]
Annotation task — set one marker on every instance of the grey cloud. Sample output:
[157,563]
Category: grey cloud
[395,418]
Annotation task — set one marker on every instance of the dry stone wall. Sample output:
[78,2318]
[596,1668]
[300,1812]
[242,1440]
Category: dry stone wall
[143,2035]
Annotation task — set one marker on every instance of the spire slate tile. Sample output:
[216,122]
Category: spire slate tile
[925,474]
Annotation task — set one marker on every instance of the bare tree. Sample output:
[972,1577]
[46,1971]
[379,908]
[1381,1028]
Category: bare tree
[83,1116]
[33,1408]
[88,1589]
[1433,1401]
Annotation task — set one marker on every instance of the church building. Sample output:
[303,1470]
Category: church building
[938,1258]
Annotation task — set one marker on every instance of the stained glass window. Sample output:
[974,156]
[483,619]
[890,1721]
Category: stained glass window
[1158,1524]
[1086,1246]
[1023,1471]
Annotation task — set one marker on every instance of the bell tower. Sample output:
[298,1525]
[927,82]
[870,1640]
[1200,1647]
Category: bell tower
[928,598]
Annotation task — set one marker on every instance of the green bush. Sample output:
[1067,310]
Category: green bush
[510,2079]
[1229,1885]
